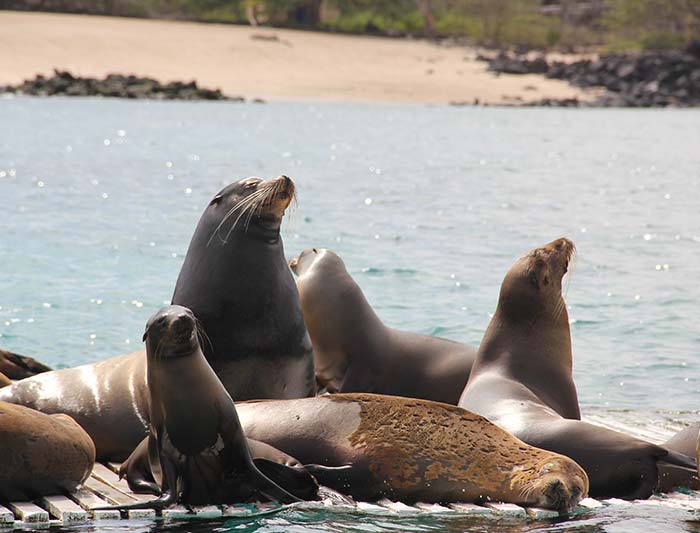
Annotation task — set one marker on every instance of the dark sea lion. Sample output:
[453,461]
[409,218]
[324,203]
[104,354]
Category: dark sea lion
[16,366]
[522,381]
[196,449]
[41,454]
[355,352]
[257,340]
[237,280]
[412,450]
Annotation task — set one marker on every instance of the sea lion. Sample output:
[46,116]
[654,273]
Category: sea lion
[237,281]
[355,352]
[196,449]
[522,381]
[412,450]
[41,454]
[257,340]
[16,366]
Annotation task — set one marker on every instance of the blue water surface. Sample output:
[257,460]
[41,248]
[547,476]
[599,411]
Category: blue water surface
[427,205]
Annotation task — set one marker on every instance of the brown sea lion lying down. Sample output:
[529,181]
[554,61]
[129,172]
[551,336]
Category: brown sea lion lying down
[41,454]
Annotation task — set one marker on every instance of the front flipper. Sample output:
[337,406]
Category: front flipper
[157,505]
[295,480]
[137,470]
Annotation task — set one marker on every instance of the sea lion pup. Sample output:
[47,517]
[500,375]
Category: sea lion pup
[196,449]
[412,450]
[522,381]
[16,366]
[355,352]
[236,279]
[41,454]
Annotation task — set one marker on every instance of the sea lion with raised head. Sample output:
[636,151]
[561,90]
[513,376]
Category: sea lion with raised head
[355,352]
[41,454]
[237,281]
[196,449]
[371,446]
[522,381]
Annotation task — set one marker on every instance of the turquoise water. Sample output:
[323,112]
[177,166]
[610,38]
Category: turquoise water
[428,206]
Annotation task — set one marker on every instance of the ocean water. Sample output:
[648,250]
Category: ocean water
[427,205]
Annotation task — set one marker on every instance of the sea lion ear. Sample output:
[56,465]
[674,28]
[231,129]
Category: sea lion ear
[145,334]
[216,199]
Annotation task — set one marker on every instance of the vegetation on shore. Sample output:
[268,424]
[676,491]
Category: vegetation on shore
[542,24]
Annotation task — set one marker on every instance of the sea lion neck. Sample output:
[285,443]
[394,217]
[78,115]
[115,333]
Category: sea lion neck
[337,362]
[537,355]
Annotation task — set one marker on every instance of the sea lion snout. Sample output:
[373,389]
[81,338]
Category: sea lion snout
[175,322]
[562,484]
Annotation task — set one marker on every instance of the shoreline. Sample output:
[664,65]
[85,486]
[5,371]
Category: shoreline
[259,62]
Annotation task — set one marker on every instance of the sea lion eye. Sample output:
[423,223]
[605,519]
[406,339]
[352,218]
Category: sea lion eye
[534,280]
[216,199]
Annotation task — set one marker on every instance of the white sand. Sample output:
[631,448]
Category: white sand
[295,65]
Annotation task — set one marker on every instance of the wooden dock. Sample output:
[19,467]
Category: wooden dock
[104,488]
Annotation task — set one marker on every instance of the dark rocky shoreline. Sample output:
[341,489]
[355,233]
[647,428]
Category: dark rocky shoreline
[63,83]
[649,79]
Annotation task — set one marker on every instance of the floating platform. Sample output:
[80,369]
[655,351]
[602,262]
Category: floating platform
[104,488]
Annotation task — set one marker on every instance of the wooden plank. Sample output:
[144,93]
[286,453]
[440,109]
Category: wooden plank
[471,508]
[398,507]
[107,476]
[29,513]
[590,503]
[371,508]
[507,509]
[88,501]
[433,508]
[180,511]
[116,497]
[238,509]
[64,509]
[176,511]
[7,517]
[540,514]
[208,511]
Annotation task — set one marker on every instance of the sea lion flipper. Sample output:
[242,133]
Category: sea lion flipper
[297,481]
[679,460]
[267,487]
[16,366]
[332,476]
[137,470]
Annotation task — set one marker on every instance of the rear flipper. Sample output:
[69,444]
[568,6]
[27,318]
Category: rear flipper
[340,478]
[295,480]
[678,470]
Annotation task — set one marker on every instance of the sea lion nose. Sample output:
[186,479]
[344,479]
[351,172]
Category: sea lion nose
[182,323]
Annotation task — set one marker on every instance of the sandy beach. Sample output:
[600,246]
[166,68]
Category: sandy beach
[255,62]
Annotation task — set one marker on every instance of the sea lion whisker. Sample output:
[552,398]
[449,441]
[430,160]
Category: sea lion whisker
[238,205]
[250,202]
[201,334]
